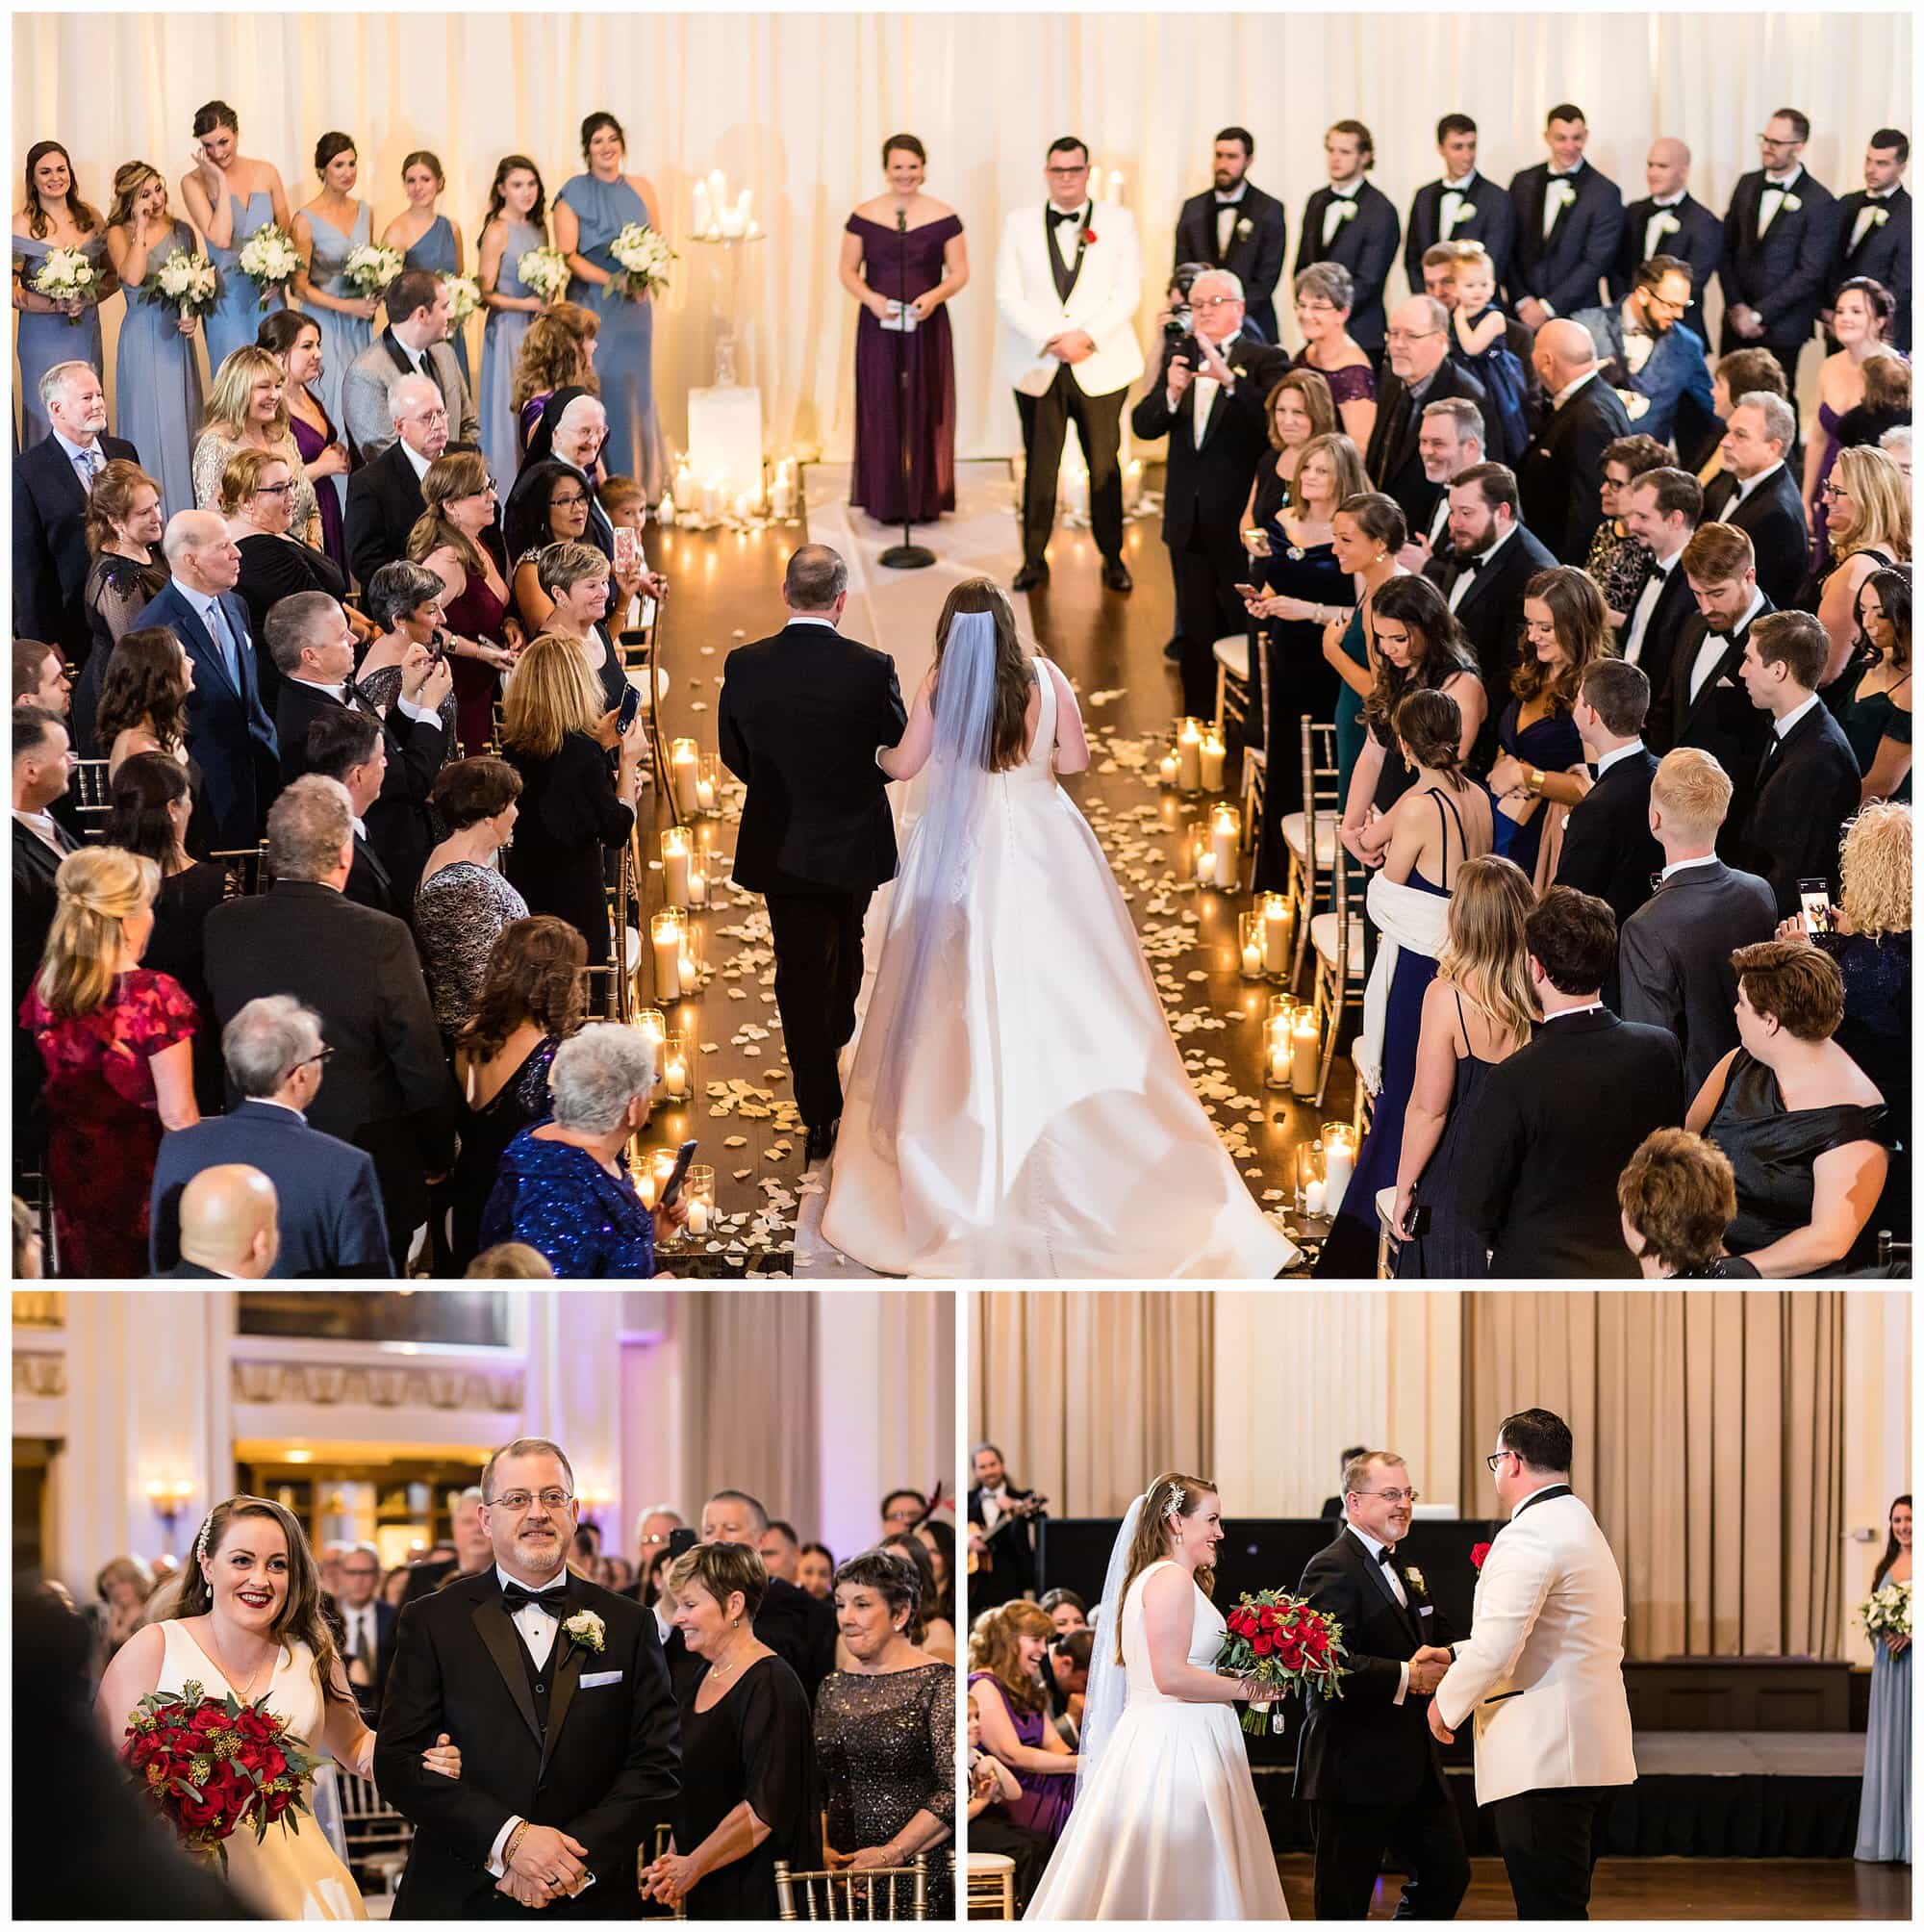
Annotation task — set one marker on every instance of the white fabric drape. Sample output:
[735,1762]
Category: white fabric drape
[795,106]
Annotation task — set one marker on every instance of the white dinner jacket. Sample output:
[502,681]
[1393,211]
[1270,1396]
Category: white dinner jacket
[1543,1665]
[1103,304]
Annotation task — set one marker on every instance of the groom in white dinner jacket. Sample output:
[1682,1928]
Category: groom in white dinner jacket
[1068,285]
[1542,1670]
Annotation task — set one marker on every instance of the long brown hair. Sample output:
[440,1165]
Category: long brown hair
[1014,674]
[992,1649]
[1169,1495]
[1583,627]
[534,974]
[554,354]
[460,472]
[1419,607]
[299,1621]
[85,218]
[1484,956]
[129,178]
[143,684]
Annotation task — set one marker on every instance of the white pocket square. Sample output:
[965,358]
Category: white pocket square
[1428,1610]
[596,1678]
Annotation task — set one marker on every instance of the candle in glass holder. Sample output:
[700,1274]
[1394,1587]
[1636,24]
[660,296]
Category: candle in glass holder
[652,1026]
[711,499]
[674,1067]
[697,879]
[691,959]
[1209,758]
[1249,944]
[1189,755]
[1168,771]
[665,930]
[685,763]
[1275,1051]
[1226,839]
[1312,1189]
[698,1189]
[1339,1162]
[708,785]
[675,865]
[1279,929]
[1202,860]
[1305,1038]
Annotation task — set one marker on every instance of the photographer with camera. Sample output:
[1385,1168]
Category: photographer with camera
[1208,398]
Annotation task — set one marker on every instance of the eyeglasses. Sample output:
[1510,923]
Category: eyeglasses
[320,1059]
[1070,174]
[1393,1495]
[487,484]
[1315,308]
[430,416]
[562,503]
[1832,491]
[1410,335]
[1210,303]
[275,489]
[1773,140]
[517,1501]
[650,1542]
[1490,1461]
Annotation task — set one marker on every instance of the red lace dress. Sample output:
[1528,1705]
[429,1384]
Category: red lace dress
[104,1129]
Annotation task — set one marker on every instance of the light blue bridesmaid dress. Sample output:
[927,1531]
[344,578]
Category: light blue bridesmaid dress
[235,319]
[47,340]
[1883,1820]
[343,338]
[156,383]
[625,349]
[500,351]
[434,253]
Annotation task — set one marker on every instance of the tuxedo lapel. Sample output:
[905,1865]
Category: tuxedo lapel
[496,1629]
[567,1678]
[395,353]
[1405,1616]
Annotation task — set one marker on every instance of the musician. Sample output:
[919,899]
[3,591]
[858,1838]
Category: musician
[1002,1532]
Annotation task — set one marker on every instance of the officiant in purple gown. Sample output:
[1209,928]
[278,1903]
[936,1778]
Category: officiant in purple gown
[904,245]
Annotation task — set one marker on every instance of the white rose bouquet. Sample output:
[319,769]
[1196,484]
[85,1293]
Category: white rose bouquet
[464,297]
[646,258]
[270,260]
[186,283]
[370,268]
[66,275]
[546,272]
[1886,1613]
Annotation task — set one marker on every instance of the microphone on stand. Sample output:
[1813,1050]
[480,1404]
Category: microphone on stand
[908,554]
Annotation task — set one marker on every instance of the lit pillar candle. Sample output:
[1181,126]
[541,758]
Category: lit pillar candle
[1210,755]
[1189,755]
[697,880]
[698,1219]
[1276,1051]
[685,762]
[1305,1040]
[1253,961]
[711,499]
[674,1069]
[665,936]
[1169,770]
[653,1025]
[1203,861]
[1279,923]
[1225,837]
[674,866]
[1314,1199]
[664,511]
[698,1191]
[1339,1162]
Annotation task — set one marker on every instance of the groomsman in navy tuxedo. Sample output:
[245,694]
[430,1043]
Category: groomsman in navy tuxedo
[1569,225]
[1670,220]
[1874,231]
[1235,225]
[1780,240]
[1355,223]
[1464,206]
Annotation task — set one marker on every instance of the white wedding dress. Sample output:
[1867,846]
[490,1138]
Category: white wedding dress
[1045,1126]
[291,1873]
[1168,1826]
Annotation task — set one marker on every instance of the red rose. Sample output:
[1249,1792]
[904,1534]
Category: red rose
[1291,1653]
[1477,1552]
[1090,237]
[1262,1646]
[273,1764]
[1268,1619]
[196,1814]
[208,1720]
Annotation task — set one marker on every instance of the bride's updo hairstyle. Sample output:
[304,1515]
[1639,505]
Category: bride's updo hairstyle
[1009,731]
[993,1648]
[189,1594]
[1169,1497]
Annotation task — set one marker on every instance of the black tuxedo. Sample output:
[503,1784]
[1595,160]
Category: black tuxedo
[1203,500]
[425,1578]
[35,867]
[1772,517]
[1674,959]
[51,559]
[1558,477]
[1491,610]
[800,719]
[1391,460]
[1365,245]
[1369,1765]
[1011,1571]
[1657,649]
[388,1088]
[1808,784]
[1255,259]
[1720,719]
[380,1658]
[372,884]
[800,1629]
[1884,254]
[1486,215]
[1607,849]
[1553,1127]
[1784,274]
[1568,269]
[1698,239]
[599,1760]
[384,503]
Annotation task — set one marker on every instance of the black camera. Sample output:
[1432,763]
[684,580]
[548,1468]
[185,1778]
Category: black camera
[1179,326]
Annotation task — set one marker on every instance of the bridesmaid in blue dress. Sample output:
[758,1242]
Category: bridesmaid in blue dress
[228,196]
[1883,1820]
[428,240]
[156,376]
[1541,774]
[326,231]
[591,209]
[516,221]
[53,216]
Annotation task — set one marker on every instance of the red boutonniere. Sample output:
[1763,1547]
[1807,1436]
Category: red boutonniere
[1477,1552]
[1089,238]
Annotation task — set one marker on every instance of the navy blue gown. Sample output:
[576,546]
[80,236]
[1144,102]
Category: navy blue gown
[1552,745]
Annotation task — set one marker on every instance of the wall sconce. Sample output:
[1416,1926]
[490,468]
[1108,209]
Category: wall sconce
[594,1503]
[169,1497]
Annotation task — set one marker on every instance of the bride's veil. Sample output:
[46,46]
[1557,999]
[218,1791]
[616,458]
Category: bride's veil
[1109,1681]
[927,923]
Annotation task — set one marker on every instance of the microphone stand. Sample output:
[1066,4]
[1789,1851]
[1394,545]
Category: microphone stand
[906,555]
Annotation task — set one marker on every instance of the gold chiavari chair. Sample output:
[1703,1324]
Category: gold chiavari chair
[646,1857]
[894,1892]
[1310,835]
[90,789]
[991,1886]
[1336,938]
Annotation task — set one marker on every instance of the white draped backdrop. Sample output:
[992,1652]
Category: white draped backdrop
[794,107]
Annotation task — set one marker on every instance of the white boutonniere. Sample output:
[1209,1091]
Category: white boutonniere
[1792,203]
[1667,223]
[1348,211]
[1413,1576]
[1561,193]
[1245,228]
[586,1630]
[1879,216]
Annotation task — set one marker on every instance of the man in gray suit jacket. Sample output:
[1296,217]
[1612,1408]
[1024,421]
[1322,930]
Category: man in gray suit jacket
[1674,953]
[415,343]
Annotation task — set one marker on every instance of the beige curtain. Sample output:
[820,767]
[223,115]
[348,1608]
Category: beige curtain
[748,1419]
[1709,1433]
[1091,1395]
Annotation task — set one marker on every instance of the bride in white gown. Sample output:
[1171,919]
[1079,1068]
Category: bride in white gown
[1018,1106]
[247,1619]
[1166,1823]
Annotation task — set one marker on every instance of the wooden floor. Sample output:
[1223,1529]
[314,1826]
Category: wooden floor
[726,588]
[1672,1888]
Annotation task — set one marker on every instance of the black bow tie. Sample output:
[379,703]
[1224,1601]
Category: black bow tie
[1057,216]
[1661,571]
[1470,565]
[1223,201]
[553,1600]
[1387,1557]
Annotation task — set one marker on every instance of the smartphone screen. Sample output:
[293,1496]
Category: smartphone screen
[631,703]
[1814,901]
[627,551]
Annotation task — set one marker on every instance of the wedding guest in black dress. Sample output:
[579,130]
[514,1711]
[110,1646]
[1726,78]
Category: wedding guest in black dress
[530,1002]
[904,246]
[123,528]
[748,1759]
[1676,1198]
[1476,1013]
[1805,1127]
[885,1731]
[462,904]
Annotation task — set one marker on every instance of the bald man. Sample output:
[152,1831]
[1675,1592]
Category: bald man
[228,1227]
[1670,220]
[1559,478]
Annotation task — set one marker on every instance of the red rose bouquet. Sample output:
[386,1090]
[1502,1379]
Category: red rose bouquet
[211,1765]
[1278,1641]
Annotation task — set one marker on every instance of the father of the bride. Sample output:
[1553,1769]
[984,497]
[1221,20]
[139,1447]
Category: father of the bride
[1366,1761]
[555,1689]
[1542,1669]
[802,717]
